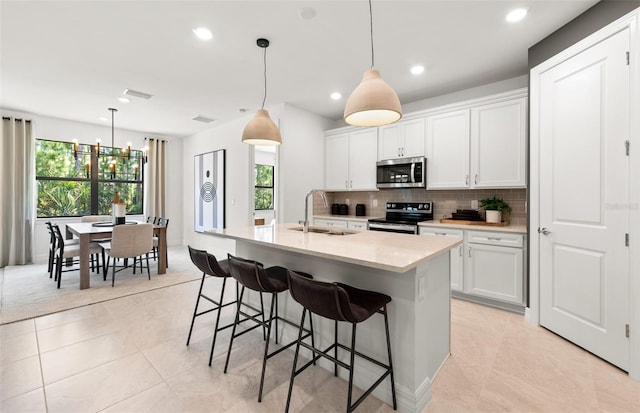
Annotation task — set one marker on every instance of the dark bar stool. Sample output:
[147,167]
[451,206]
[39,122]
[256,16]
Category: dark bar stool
[272,280]
[339,302]
[210,266]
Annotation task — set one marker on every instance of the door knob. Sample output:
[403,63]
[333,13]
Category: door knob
[544,231]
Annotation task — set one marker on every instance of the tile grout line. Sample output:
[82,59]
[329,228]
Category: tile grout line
[44,389]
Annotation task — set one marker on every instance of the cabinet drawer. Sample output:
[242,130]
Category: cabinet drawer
[330,223]
[442,232]
[504,239]
[357,225]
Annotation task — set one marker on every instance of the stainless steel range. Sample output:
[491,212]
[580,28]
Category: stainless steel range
[403,217]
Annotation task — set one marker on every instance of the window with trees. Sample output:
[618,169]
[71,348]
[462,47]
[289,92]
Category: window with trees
[263,186]
[76,179]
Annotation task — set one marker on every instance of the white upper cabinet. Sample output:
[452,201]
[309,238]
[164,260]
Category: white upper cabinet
[481,146]
[350,162]
[448,150]
[498,138]
[404,139]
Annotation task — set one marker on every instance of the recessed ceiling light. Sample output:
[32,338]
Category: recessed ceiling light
[307,13]
[124,100]
[336,96]
[103,118]
[417,69]
[203,33]
[516,15]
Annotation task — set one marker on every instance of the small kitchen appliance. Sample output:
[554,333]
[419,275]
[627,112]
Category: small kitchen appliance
[360,210]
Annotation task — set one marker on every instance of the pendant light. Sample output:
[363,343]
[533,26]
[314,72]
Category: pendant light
[261,130]
[373,102]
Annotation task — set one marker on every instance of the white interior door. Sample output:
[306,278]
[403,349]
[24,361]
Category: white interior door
[584,199]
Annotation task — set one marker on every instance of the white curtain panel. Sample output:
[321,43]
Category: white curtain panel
[154,179]
[17,175]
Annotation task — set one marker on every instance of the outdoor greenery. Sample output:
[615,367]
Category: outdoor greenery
[263,186]
[65,179]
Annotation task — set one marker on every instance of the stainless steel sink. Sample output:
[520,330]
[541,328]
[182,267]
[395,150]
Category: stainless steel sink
[324,231]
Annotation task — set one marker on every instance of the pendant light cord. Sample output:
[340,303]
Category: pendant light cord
[371,31]
[264,99]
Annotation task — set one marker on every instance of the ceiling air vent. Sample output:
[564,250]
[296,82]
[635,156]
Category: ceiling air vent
[204,119]
[137,94]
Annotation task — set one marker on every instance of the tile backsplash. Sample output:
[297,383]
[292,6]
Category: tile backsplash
[445,201]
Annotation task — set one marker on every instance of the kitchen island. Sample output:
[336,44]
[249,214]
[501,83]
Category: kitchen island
[413,270]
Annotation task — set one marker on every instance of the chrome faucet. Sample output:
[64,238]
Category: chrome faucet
[305,223]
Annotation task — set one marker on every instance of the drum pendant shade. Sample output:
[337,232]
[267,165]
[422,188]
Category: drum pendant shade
[373,102]
[261,130]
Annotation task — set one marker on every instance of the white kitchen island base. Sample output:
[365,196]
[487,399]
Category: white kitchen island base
[419,314]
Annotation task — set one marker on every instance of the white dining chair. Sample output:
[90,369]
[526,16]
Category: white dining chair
[128,241]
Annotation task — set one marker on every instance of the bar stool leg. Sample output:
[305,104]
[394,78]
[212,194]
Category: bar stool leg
[313,341]
[393,386]
[351,365]
[295,360]
[264,333]
[274,302]
[335,348]
[215,330]
[233,329]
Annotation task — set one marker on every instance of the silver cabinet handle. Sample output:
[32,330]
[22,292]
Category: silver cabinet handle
[544,231]
[475,181]
[441,233]
[469,252]
[494,239]
[346,184]
[466,180]
[460,250]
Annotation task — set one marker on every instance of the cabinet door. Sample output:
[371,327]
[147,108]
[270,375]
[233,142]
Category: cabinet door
[456,264]
[448,150]
[498,139]
[389,142]
[413,142]
[336,162]
[494,272]
[363,154]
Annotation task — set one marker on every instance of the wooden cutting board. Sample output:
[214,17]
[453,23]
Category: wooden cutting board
[462,222]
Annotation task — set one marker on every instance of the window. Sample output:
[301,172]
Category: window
[263,186]
[74,180]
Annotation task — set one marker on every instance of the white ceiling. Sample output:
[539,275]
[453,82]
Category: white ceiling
[73,59]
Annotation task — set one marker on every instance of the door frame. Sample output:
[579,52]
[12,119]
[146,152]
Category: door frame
[532,312]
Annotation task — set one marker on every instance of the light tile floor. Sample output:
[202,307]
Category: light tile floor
[129,355]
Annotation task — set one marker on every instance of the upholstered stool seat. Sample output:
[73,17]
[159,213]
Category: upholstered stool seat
[339,302]
[272,280]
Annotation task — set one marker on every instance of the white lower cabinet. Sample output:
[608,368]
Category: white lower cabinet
[489,264]
[456,255]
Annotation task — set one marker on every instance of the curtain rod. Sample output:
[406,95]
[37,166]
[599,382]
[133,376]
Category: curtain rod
[156,139]
[18,119]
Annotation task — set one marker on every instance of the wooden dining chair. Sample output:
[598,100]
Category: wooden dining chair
[128,241]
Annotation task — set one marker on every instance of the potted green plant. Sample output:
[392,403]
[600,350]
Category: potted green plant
[494,207]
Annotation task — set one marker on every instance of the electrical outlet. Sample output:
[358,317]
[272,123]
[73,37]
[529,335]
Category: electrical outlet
[374,203]
[474,204]
[347,201]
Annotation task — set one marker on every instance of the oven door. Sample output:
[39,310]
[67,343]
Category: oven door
[393,227]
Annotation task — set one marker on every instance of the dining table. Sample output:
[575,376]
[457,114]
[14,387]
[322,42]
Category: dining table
[88,231]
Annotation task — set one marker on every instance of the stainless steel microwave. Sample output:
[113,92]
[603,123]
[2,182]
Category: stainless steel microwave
[402,173]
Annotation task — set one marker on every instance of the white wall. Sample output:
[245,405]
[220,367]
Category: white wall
[66,130]
[301,158]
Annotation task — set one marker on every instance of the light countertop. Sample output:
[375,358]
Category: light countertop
[519,229]
[383,250]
